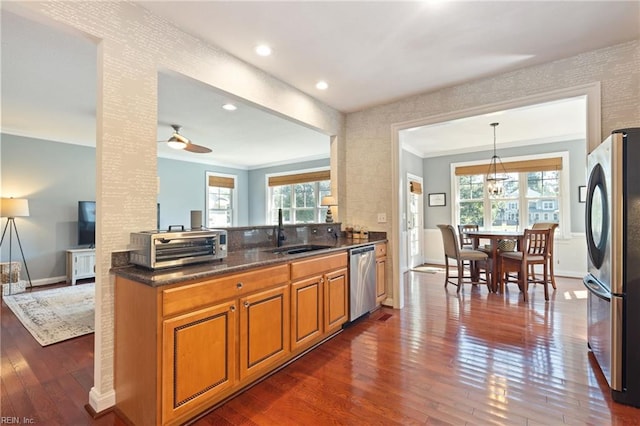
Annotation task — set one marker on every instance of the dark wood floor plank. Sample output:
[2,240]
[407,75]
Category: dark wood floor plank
[6,407]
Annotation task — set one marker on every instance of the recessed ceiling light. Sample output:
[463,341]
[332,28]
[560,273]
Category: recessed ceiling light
[263,50]
[322,85]
[229,107]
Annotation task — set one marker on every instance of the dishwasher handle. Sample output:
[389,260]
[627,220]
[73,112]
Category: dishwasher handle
[361,250]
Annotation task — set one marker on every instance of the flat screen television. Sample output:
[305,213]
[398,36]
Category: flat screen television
[87,223]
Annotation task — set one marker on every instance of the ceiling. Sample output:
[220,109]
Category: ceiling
[49,92]
[370,53]
[548,122]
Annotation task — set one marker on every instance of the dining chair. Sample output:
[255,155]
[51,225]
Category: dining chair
[477,259]
[466,242]
[534,250]
[552,226]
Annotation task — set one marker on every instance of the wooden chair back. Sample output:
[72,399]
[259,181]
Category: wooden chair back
[552,226]
[547,225]
[536,242]
[466,242]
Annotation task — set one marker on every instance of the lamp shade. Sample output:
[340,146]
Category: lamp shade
[14,207]
[177,142]
[328,201]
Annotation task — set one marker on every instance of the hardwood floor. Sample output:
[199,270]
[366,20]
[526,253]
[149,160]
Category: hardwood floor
[476,358]
[45,385]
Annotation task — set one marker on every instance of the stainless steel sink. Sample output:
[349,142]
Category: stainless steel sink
[300,249]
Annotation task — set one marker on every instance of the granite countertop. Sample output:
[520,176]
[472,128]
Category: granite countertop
[236,261]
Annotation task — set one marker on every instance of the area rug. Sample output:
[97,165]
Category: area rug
[52,316]
[427,269]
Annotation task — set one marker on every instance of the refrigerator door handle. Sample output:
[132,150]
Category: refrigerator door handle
[616,343]
[596,288]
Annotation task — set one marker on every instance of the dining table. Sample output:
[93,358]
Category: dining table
[494,236]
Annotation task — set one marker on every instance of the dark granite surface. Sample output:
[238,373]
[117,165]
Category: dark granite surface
[237,261]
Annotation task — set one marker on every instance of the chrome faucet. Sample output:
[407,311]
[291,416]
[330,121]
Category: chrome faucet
[280,233]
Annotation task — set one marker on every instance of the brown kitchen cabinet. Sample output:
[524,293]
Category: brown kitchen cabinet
[381,264]
[264,330]
[319,298]
[182,348]
[336,296]
[306,311]
[177,346]
[199,358]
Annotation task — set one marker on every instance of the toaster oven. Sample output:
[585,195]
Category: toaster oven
[165,249]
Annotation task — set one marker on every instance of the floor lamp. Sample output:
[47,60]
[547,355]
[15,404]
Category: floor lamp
[12,208]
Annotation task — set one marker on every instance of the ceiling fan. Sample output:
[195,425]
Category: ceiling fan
[177,141]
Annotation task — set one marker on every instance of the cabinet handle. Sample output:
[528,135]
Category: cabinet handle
[232,308]
[246,304]
[239,285]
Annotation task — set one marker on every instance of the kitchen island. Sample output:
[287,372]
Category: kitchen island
[189,338]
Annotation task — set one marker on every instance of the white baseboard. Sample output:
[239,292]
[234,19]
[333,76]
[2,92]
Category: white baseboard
[100,402]
[47,281]
[557,272]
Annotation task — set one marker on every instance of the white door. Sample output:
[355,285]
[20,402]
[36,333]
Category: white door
[415,221]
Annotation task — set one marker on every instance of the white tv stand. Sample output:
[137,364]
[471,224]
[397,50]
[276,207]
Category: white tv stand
[81,263]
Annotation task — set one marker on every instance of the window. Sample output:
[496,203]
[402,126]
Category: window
[543,189]
[298,195]
[471,196]
[221,195]
[531,194]
[505,211]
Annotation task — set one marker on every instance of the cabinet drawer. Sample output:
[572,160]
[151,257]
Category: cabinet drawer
[381,250]
[318,265]
[203,293]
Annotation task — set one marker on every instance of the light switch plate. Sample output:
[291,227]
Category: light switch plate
[382,218]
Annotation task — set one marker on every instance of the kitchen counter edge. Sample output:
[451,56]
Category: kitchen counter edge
[236,261]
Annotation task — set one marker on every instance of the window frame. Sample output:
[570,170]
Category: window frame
[564,194]
[320,211]
[234,198]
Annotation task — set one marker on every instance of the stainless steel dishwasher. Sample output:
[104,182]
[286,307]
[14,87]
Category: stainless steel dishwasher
[362,281]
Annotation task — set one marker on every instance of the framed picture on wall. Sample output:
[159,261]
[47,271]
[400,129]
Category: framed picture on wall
[437,199]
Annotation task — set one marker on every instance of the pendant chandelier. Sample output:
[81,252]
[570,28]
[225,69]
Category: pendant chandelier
[494,181]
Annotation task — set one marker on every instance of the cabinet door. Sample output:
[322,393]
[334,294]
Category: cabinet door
[85,264]
[381,290]
[264,330]
[198,358]
[306,311]
[336,296]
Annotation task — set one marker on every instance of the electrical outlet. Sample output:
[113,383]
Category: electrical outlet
[382,218]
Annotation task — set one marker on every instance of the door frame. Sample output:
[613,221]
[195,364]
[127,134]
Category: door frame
[420,256]
[594,137]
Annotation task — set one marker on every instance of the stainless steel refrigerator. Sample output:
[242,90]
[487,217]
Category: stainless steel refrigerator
[613,240]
